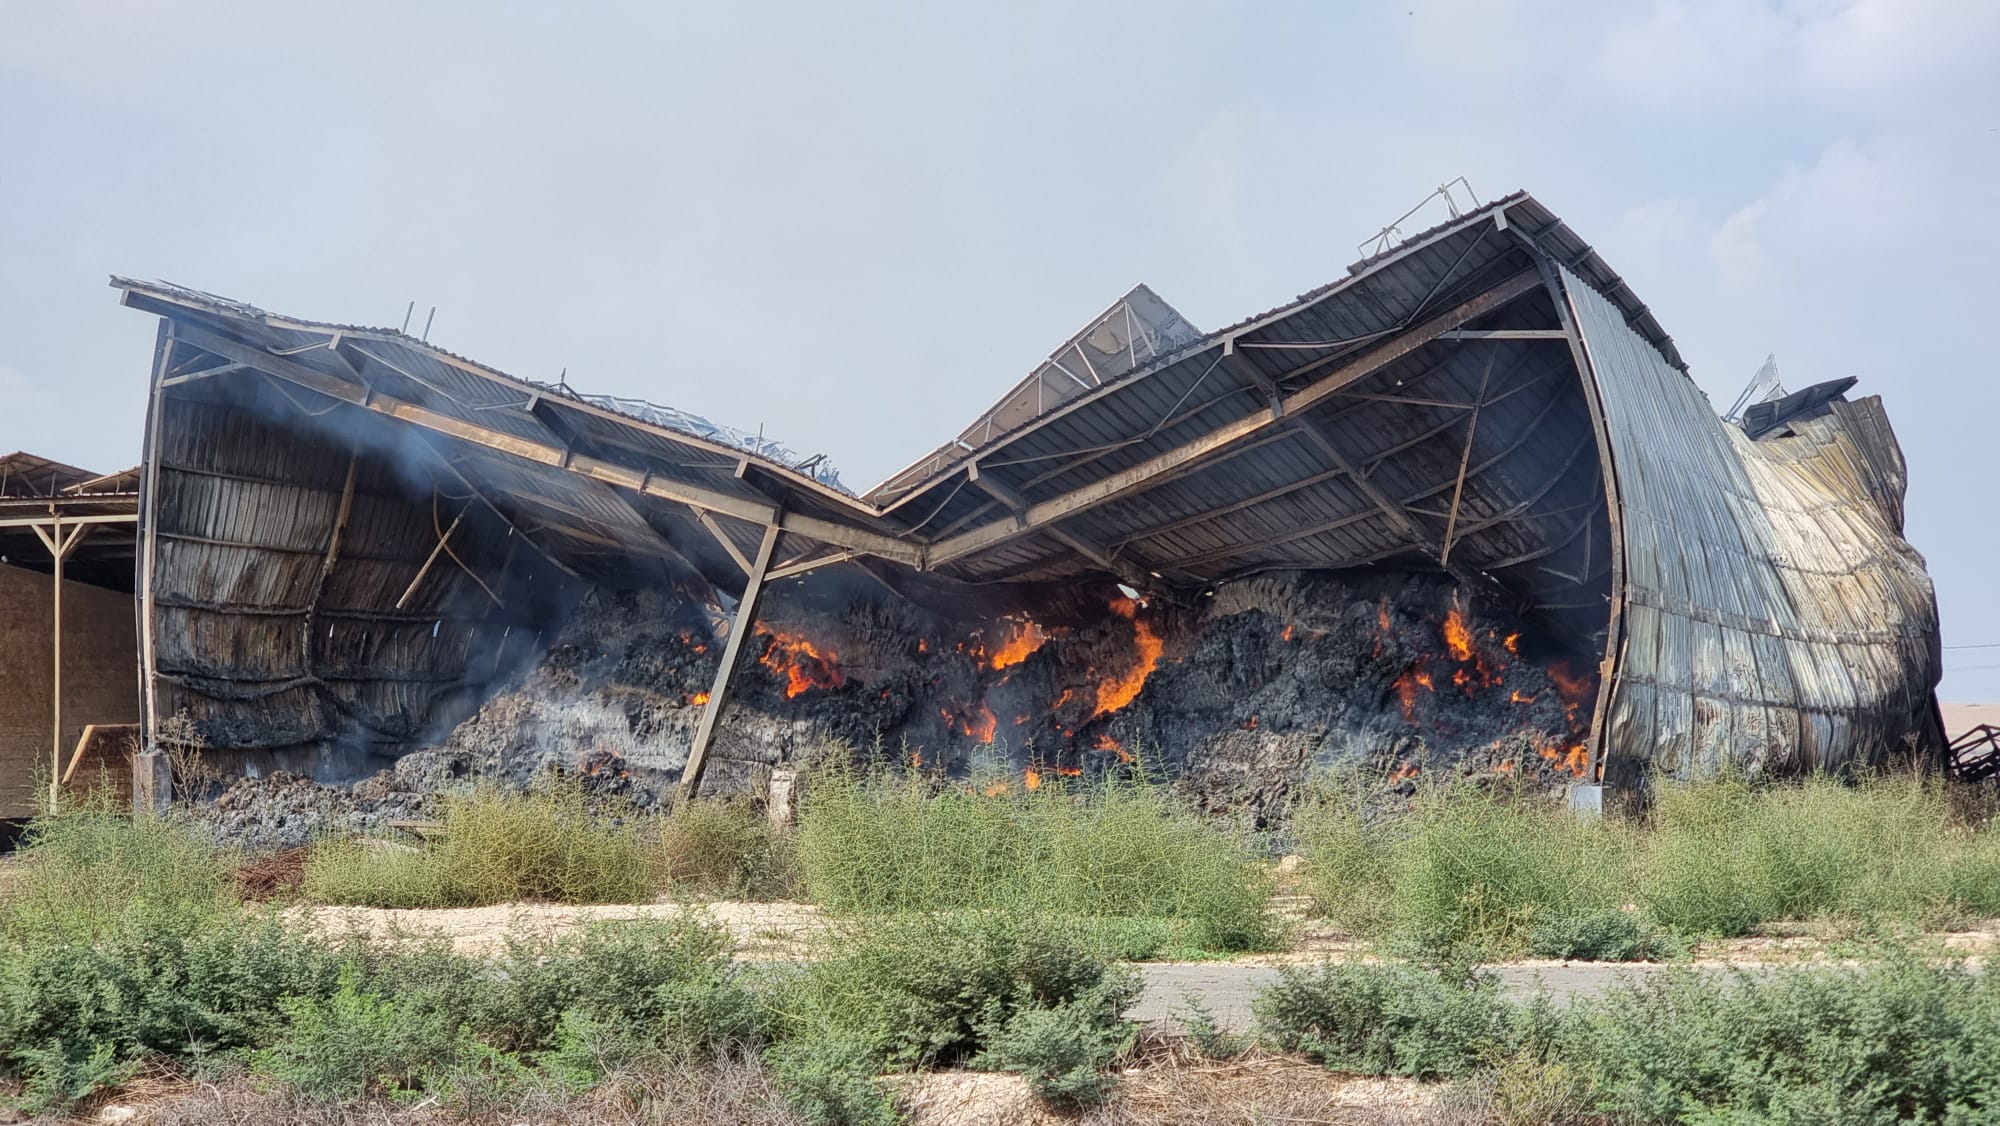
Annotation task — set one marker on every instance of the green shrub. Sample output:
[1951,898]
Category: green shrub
[1065,1050]
[1209,1037]
[495,846]
[355,1044]
[57,1076]
[878,842]
[833,1081]
[924,990]
[1725,855]
[1477,869]
[671,981]
[1900,1040]
[80,872]
[155,981]
[1601,934]
[588,1049]
[1388,1019]
[1499,871]
[726,849]
[378,872]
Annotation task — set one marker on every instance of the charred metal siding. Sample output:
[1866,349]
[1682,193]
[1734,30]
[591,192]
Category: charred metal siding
[1774,619]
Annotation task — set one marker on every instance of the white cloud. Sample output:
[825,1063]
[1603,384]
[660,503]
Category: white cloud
[1711,52]
[1205,183]
[1855,201]
[1702,52]
[1872,46]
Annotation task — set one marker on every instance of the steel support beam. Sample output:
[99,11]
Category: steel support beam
[544,453]
[732,650]
[1107,558]
[1183,458]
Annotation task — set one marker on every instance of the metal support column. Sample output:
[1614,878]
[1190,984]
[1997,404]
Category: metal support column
[718,693]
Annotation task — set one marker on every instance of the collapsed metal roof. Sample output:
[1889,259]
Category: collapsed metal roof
[1488,398]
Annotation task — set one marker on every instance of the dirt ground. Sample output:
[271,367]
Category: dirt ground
[764,931]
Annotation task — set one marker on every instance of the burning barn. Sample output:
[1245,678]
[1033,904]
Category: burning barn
[1462,509]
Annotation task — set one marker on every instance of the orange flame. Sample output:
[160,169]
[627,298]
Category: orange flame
[1457,638]
[698,699]
[1519,697]
[995,789]
[1287,632]
[980,724]
[1250,724]
[1506,767]
[1406,690]
[802,663]
[1405,771]
[1019,646]
[1115,694]
[1512,642]
[1106,743]
[1031,779]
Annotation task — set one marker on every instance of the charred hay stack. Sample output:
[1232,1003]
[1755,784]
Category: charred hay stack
[1462,510]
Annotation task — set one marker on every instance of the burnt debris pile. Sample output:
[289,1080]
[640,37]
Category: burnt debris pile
[1239,696]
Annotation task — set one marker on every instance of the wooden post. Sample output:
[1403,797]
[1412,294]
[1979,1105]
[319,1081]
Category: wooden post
[58,549]
[59,546]
[718,693]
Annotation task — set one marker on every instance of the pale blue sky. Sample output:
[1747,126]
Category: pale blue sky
[856,225]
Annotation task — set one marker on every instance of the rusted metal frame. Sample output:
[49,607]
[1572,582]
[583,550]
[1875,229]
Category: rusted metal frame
[732,651]
[1165,466]
[1464,460]
[1354,518]
[1614,626]
[727,504]
[721,537]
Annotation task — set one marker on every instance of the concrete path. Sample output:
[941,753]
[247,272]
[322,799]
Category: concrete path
[1226,988]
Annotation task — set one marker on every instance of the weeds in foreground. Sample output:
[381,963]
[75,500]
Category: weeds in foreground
[879,841]
[1506,872]
[548,844]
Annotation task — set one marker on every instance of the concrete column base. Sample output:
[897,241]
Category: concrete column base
[152,781]
[1586,799]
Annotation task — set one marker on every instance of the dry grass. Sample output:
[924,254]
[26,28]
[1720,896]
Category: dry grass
[1165,1082]
[726,1093]
[277,876]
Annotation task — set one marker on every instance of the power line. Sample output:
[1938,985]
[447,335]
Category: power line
[1986,645]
